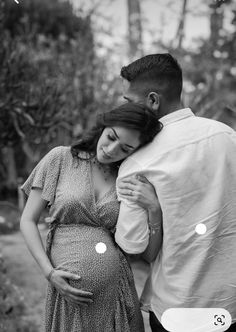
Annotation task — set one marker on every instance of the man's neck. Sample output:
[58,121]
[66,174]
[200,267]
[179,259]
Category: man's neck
[170,108]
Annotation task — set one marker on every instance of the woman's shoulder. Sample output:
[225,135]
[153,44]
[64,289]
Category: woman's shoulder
[57,155]
[59,151]
[65,153]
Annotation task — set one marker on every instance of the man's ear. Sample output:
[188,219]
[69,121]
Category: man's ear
[153,101]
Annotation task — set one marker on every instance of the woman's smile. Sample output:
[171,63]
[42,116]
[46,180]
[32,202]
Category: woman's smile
[106,155]
[116,143]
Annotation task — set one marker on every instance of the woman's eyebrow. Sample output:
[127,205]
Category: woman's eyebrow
[115,133]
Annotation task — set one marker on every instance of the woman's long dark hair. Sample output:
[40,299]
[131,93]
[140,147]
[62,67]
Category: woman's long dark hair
[129,115]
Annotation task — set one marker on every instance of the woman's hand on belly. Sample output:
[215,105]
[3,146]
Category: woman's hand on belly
[71,294]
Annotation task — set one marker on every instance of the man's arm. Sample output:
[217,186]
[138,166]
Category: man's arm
[155,235]
[132,231]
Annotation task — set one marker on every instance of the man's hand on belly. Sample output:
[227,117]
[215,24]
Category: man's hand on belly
[71,294]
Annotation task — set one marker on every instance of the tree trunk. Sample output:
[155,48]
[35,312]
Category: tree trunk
[11,172]
[216,24]
[180,31]
[135,29]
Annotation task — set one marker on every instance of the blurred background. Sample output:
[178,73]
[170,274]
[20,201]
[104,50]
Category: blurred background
[59,65]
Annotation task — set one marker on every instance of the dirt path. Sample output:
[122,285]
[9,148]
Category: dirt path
[25,273]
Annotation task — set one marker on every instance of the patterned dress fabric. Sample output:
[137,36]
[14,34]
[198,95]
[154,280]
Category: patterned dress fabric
[79,225]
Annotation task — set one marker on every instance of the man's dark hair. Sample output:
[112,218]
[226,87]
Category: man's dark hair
[159,73]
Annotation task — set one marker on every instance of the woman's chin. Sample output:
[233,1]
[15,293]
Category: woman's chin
[102,160]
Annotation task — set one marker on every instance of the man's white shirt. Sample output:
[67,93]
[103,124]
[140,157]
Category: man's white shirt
[192,164]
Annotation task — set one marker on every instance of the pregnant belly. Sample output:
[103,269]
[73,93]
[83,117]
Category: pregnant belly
[89,252]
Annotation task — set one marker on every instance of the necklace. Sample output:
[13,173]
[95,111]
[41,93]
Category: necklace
[105,169]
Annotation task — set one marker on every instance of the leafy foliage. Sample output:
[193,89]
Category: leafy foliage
[12,305]
[40,58]
[210,69]
[47,79]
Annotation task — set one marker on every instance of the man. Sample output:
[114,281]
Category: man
[192,165]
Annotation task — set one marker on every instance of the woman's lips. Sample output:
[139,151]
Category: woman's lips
[106,155]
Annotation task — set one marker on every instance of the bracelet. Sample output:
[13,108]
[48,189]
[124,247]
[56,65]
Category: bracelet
[154,228]
[49,276]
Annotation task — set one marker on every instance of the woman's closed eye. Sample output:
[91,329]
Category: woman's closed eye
[125,150]
[112,138]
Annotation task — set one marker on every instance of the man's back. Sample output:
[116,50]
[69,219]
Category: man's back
[192,164]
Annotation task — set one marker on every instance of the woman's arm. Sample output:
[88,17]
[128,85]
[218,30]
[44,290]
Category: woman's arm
[139,190]
[28,225]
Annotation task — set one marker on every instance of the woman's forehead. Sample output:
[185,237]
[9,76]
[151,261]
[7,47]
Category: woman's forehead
[126,135]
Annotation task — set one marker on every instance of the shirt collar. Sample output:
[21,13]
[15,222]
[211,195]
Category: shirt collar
[176,116]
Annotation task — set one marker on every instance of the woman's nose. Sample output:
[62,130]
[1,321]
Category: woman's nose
[112,149]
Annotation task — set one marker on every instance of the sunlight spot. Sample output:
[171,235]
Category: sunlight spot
[2,220]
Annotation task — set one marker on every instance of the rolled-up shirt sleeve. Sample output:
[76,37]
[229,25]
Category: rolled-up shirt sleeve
[132,232]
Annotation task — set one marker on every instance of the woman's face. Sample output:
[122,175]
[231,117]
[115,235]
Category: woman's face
[116,143]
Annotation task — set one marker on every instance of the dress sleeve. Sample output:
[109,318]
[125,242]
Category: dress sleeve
[45,175]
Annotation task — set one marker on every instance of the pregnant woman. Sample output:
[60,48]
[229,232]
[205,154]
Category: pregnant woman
[91,286]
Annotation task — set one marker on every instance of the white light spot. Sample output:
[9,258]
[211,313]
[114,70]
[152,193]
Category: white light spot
[100,248]
[2,220]
[233,71]
[17,1]
[200,229]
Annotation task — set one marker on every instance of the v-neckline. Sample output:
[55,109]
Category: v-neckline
[97,201]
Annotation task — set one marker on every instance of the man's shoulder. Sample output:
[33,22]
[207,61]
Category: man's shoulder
[138,161]
[216,124]
[175,138]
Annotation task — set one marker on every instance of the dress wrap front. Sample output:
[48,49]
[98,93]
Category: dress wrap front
[80,240]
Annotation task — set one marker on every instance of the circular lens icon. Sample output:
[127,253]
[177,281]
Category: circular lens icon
[196,320]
